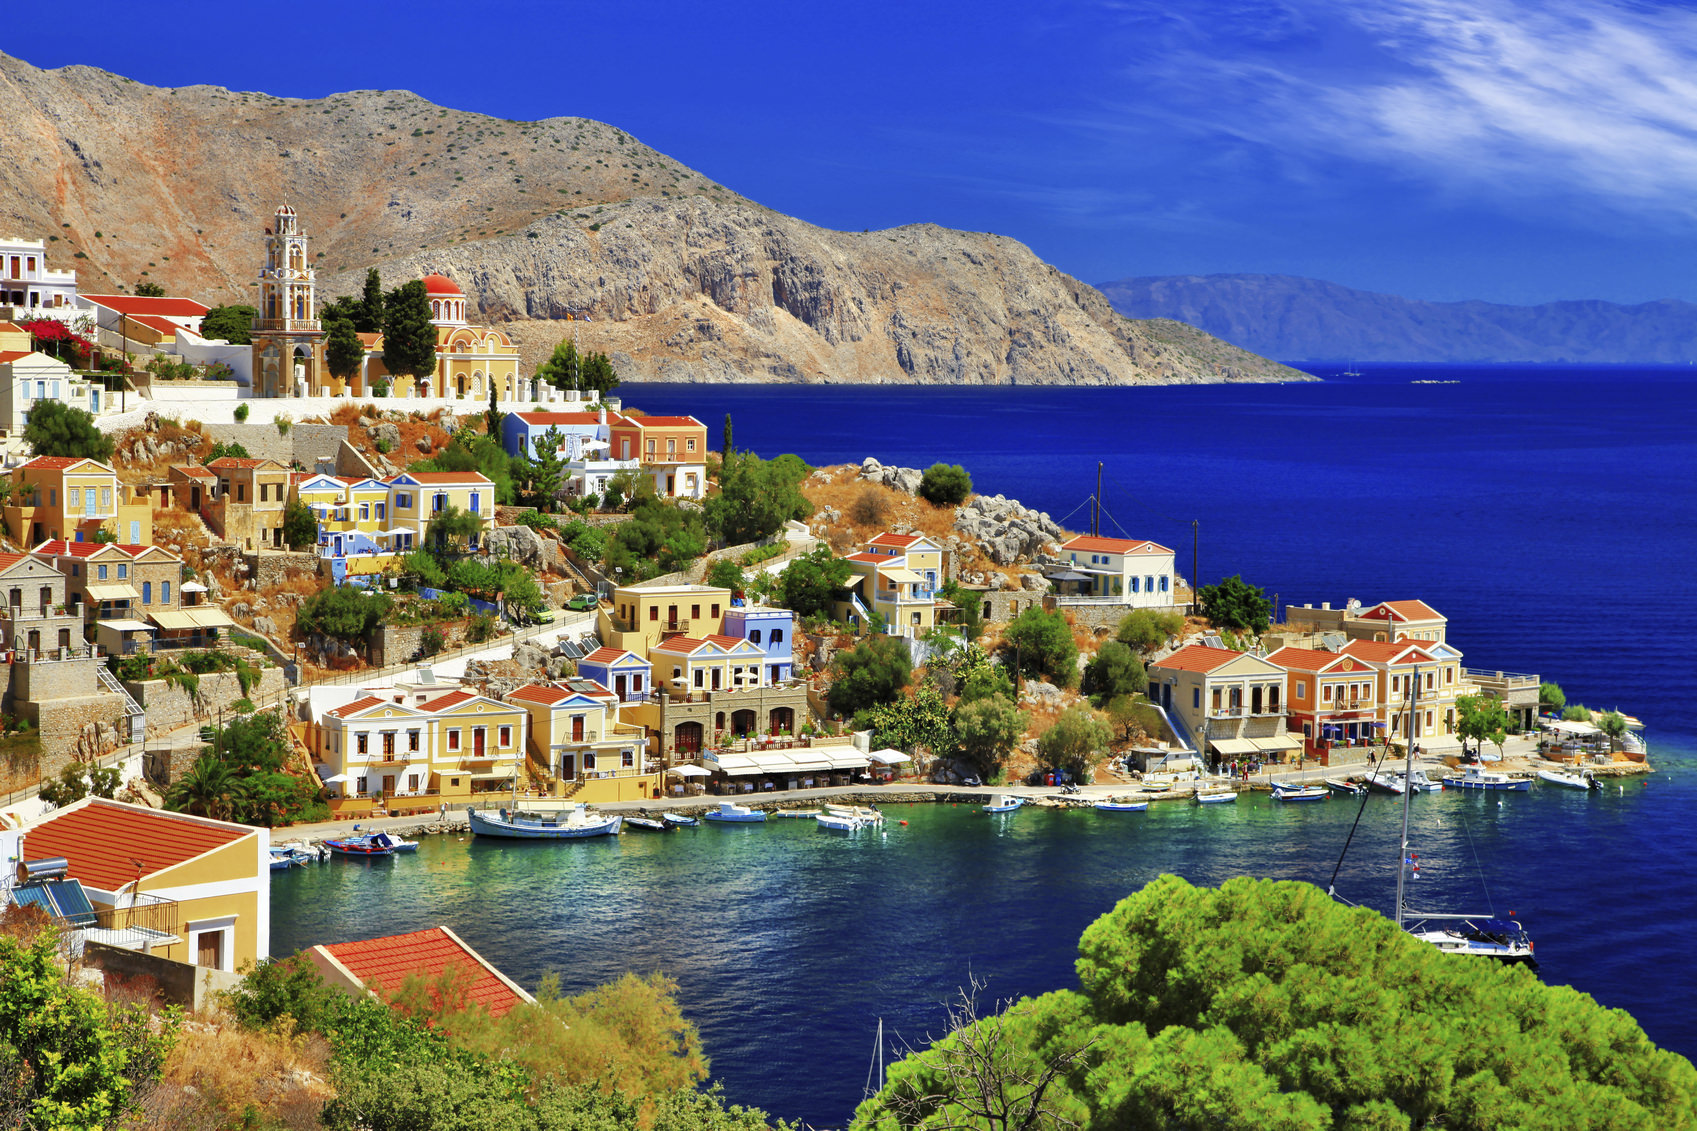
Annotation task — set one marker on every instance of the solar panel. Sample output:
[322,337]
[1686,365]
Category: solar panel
[63,899]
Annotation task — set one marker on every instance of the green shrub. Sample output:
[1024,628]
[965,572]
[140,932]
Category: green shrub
[945,485]
[431,641]
[241,414]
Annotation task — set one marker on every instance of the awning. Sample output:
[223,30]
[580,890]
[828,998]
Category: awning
[173,619]
[193,587]
[1067,575]
[1234,746]
[807,761]
[111,592]
[124,625]
[888,757]
[206,616]
[1277,743]
[845,758]
[1573,726]
[905,576]
[687,770]
[735,764]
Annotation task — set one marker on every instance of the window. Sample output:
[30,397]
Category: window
[677,673]
[76,496]
[123,571]
[695,612]
[754,636]
[76,567]
[715,611]
[241,492]
[360,741]
[403,500]
[52,492]
[777,636]
[699,673]
[1134,585]
[475,497]
[628,759]
[454,739]
[689,445]
[164,592]
[1217,700]
[1196,699]
[380,507]
[1164,580]
[359,784]
[1449,676]
[1302,691]
[506,735]
[364,511]
[147,592]
[102,576]
[654,612]
[412,740]
[1325,693]
[1149,583]
[412,782]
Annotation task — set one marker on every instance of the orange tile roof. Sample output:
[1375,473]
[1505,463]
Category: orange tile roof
[60,548]
[13,355]
[1304,659]
[539,693]
[1405,610]
[685,644]
[724,641]
[1197,658]
[900,540]
[197,472]
[234,462]
[356,707]
[57,463]
[386,963]
[867,556]
[1385,652]
[153,322]
[1090,542]
[664,421]
[101,839]
[7,561]
[452,699]
[546,418]
[136,304]
[608,655]
[137,551]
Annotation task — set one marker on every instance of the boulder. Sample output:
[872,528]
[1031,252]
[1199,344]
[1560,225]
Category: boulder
[522,545]
[531,655]
[241,610]
[899,478]
[386,436]
[424,445]
[265,625]
[1038,691]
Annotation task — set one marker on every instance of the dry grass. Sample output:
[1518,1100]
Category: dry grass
[221,1076]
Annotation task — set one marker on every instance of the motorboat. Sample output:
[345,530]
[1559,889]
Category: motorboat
[1343,785]
[730,813]
[1004,803]
[1575,777]
[282,859]
[1420,783]
[1477,777]
[848,818]
[1386,781]
[647,825]
[574,823]
[1121,805]
[679,821]
[794,814]
[1300,793]
[1216,795]
[361,847]
[1481,936]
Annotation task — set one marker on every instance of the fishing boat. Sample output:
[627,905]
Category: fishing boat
[574,823]
[1121,805]
[1344,785]
[1477,777]
[1004,803]
[1481,935]
[1215,795]
[730,813]
[647,825]
[794,814]
[679,821]
[360,847]
[1570,778]
[282,859]
[848,818]
[1300,793]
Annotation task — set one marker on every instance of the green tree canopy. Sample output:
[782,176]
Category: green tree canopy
[341,612]
[872,672]
[727,574]
[1263,1005]
[241,776]
[373,307]
[1044,646]
[233,323]
[54,428]
[1144,629]
[945,485]
[597,374]
[756,497]
[470,450]
[300,525]
[452,529]
[1551,697]
[1077,742]
[809,582]
[546,469]
[1114,671]
[563,369]
[660,538]
[1235,604]
[150,290]
[1482,719]
[909,722]
[343,351]
[409,337]
[220,449]
[1611,723]
[986,731]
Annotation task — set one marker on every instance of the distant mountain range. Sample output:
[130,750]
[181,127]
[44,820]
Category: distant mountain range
[1297,319]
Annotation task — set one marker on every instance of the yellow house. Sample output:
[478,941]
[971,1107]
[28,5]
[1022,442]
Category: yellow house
[469,359]
[713,663]
[415,497]
[73,499]
[353,514]
[478,737]
[1398,664]
[883,582]
[581,748]
[187,888]
[381,747]
[643,616]
[248,506]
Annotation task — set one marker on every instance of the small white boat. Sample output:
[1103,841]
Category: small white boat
[730,813]
[1574,778]
[1121,805]
[793,814]
[1217,795]
[1420,783]
[575,823]
[1343,785]
[1300,793]
[1004,803]
[848,818]
[1386,781]
[1476,778]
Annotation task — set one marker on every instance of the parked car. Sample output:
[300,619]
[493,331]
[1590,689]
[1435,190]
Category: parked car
[582,602]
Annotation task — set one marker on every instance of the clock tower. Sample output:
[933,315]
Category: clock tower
[288,343]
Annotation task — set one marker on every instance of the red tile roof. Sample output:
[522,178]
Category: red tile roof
[7,561]
[548,418]
[153,322]
[446,477]
[1092,544]
[197,472]
[101,839]
[725,641]
[1403,610]
[235,462]
[868,556]
[608,655]
[356,706]
[387,962]
[1197,658]
[452,699]
[59,463]
[13,355]
[901,541]
[684,644]
[60,548]
[1385,652]
[134,305]
[664,421]
[1304,659]
[540,692]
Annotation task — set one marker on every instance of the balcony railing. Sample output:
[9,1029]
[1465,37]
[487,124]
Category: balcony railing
[1273,710]
[1501,679]
[304,325]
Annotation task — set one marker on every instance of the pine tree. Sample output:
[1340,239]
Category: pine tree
[370,320]
[409,337]
[343,351]
[725,448]
[561,368]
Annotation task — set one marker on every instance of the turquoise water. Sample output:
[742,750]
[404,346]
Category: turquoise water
[1551,514]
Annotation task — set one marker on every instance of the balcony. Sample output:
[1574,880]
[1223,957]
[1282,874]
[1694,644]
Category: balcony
[295,325]
[1272,711]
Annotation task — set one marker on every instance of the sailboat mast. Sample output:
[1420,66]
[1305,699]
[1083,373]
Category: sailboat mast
[1096,504]
[1412,699]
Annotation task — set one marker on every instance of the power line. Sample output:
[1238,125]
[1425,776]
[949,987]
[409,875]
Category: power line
[1158,514]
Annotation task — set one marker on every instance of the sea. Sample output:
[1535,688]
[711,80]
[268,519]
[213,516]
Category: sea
[1550,513]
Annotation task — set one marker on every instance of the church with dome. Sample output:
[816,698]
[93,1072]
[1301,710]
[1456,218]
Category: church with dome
[288,338]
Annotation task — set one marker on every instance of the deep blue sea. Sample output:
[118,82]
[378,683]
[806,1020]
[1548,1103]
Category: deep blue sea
[1550,513]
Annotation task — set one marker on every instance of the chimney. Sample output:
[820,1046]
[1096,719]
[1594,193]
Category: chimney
[1325,606]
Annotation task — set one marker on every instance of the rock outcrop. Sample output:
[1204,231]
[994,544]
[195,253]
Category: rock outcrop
[1008,531]
[679,279]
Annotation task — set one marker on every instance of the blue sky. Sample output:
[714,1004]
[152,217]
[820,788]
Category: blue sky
[1494,149]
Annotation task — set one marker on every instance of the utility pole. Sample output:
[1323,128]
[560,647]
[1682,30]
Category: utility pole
[1195,553]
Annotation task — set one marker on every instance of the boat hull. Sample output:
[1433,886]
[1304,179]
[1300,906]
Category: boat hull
[1216,798]
[1511,785]
[358,850]
[755,818]
[1122,806]
[1567,781]
[486,826]
[1296,796]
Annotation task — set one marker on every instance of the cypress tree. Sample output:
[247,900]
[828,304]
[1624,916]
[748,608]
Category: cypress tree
[409,337]
[343,351]
[725,446]
[370,320]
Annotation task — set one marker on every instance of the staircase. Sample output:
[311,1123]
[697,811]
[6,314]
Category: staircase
[133,711]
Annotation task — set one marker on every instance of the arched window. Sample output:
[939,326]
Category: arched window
[147,592]
[1134,585]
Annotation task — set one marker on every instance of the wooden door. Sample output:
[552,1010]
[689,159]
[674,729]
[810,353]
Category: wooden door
[477,736]
[619,687]
[577,728]
[209,950]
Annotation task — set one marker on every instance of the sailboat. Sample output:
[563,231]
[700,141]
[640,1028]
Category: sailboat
[1484,935]
[875,1070]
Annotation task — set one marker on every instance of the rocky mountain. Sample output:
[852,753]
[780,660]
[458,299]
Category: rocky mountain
[679,278]
[1288,317]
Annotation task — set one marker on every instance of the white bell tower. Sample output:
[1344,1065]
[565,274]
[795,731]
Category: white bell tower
[286,335]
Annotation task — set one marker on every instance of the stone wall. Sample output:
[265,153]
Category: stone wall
[42,680]
[177,983]
[399,643]
[169,706]
[273,567]
[81,729]
[1101,617]
[304,444]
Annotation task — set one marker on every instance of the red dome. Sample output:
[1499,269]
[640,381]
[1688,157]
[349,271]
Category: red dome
[441,285]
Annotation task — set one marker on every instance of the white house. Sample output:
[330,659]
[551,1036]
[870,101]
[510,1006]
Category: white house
[1119,571]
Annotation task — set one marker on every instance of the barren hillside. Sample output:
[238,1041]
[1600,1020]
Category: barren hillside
[681,278]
